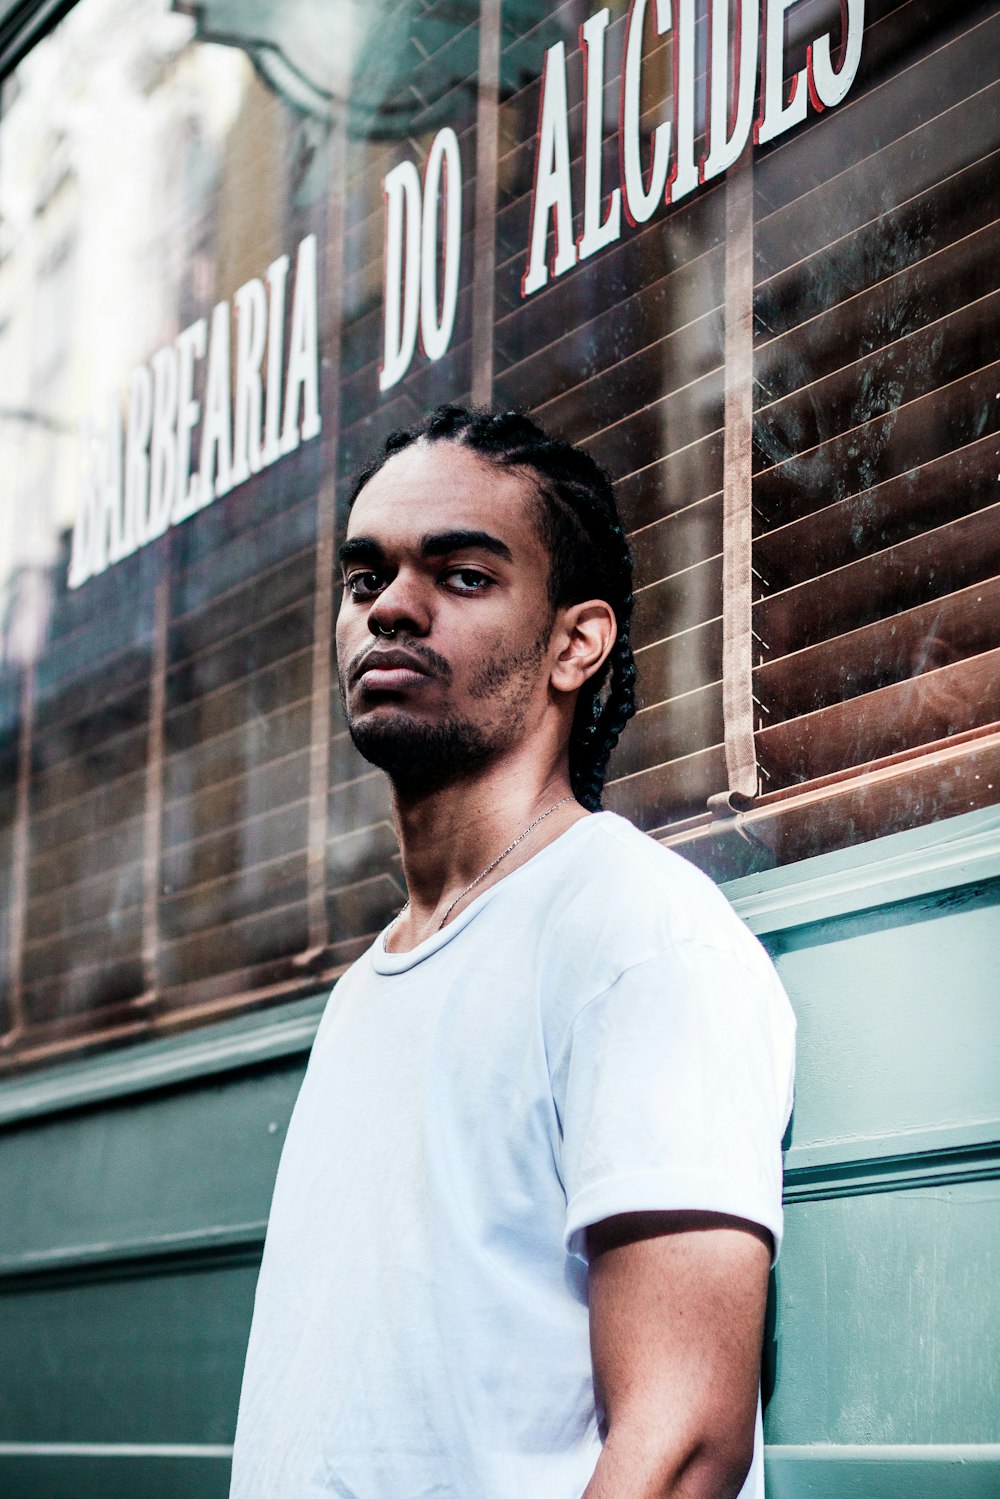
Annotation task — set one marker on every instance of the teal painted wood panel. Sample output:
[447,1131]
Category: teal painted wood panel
[888,1319]
[68,1474]
[137,1357]
[899,1029]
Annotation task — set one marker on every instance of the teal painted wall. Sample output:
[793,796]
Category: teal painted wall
[136,1187]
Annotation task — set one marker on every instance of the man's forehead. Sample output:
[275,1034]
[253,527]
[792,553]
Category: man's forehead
[444,486]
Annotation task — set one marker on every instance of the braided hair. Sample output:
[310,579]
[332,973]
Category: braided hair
[589,552]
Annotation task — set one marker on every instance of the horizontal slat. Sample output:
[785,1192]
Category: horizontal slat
[919,297]
[928,566]
[679,664]
[666,426]
[91,990]
[922,499]
[283,637]
[885,247]
[876,384]
[262,787]
[625,324]
[233,896]
[664,793]
[253,605]
[245,748]
[255,839]
[241,703]
[940,422]
[661,487]
[670,730]
[889,650]
[678,362]
[678,603]
[276,933]
[109,849]
[935,117]
[922,710]
[784,827]
[90,897]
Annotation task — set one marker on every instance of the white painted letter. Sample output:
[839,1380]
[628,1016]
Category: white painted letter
[777,116]
[401,295]
[641,199]
[303,353]
[113,539]
[163,448]
[216,447]
[829,85]
[552,191]
[190,346]
[683,178]
[725,143]
[435,330]
[595,234]
[85,521]
[140,420]
[276,273]
[251,326]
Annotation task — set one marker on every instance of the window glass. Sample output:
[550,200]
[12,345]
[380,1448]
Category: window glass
[241,241]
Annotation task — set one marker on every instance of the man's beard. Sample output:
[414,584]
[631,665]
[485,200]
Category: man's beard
[420,757]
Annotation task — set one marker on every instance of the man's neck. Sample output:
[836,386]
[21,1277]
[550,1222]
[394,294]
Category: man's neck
[448,837]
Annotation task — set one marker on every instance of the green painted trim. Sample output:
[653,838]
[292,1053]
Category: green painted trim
[933,1452]
[883,1472]
[893,1172]
[117,1449]
[920,861]
[56,1470]
[245,1041]
[238,1239]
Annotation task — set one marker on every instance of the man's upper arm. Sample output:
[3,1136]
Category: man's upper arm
[676,1323]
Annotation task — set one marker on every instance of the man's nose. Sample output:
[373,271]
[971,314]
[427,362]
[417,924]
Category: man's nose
[403,607]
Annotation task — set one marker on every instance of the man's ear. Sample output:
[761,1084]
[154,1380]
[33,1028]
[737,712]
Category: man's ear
[585,634]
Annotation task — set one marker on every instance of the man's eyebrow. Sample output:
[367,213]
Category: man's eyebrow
[361,548]
[440,543]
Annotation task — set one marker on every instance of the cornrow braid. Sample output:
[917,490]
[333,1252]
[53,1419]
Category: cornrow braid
[589,552]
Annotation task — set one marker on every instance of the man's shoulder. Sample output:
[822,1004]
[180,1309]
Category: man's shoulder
[620,889]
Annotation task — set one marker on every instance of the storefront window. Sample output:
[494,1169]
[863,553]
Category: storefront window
[240,242]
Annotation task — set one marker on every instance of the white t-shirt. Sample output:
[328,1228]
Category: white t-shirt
[597,1033]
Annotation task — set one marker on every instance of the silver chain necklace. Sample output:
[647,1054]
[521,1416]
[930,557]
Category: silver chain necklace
[490,867]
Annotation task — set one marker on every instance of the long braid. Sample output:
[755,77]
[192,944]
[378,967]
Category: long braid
[589,554]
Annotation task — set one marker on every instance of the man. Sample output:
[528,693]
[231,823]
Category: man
[531,1190]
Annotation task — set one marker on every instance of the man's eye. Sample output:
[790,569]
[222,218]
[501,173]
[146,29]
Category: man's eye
[363,585]
[469,579]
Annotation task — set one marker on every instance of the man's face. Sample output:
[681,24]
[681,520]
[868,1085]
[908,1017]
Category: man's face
[442,549]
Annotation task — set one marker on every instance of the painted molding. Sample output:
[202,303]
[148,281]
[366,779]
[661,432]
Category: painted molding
[217,1451]
[966,1471]
[245,1041]
[901,866]
[237,1240]
[908,1161]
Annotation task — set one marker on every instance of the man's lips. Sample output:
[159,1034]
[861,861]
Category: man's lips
[390,671]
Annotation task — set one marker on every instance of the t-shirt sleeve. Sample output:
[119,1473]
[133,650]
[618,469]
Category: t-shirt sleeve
[673,1090]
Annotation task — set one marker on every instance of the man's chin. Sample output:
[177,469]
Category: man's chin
[418,755]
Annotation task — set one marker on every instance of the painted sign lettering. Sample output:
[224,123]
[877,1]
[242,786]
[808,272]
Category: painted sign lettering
[125,504]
